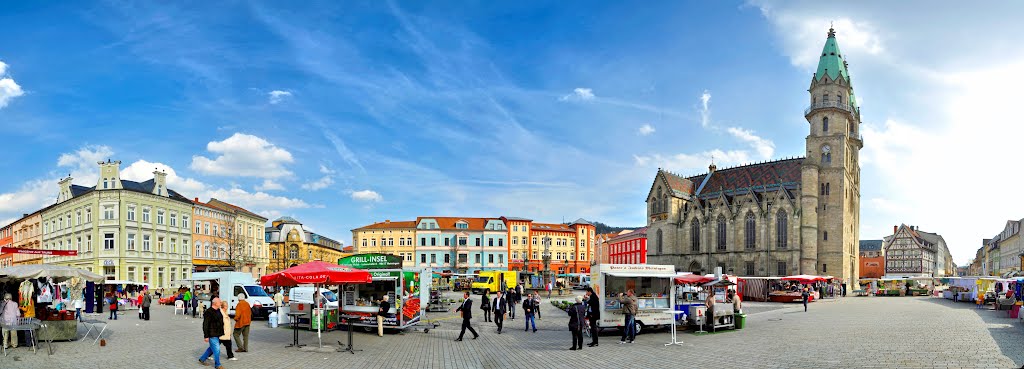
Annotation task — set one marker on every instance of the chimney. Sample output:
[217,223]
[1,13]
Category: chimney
[159,183]
[110,175]
[197,199]
[895,228]
[387,221]
[65,189]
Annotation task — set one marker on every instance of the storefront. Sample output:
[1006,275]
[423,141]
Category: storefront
[406,289]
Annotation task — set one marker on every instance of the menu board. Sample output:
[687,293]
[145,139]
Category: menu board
[350,298]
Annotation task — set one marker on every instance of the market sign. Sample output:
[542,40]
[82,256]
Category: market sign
[372,261]
[14,250]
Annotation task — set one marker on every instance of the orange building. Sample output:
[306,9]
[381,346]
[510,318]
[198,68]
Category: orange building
[571,245]
[27,233]
[6,240]
[211,237]
[872,261]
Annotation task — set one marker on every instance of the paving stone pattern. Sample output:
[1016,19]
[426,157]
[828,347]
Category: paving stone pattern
[855,332]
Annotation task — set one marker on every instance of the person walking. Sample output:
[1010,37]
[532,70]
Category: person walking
[243,319]
[186,298]
[225,339]
[79,305]
[485,305]
[500,305]
[805,295]
[147,300]
[9,314]
[628,301]
[112,305]
[383,312]
[511,298]
[548,287]
[593,314]
[279,302]
[536,304]
[467,315]
[528,311]
[576,313]
[213,329]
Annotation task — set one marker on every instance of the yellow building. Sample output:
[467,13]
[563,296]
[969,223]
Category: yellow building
[214,247]
[387,237]
[291,245]
[248,238]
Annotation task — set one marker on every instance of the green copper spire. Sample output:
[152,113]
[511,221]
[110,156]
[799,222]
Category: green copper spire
[833,63]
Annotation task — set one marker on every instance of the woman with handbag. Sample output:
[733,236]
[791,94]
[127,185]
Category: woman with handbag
[576,313]
[485,305]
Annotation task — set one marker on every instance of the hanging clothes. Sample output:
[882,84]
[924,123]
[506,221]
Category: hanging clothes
[25,301]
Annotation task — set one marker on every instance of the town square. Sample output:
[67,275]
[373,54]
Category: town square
[743,184]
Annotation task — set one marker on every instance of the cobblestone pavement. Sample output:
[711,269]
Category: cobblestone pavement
[855,332]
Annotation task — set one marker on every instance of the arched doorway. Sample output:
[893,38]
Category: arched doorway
[695,268]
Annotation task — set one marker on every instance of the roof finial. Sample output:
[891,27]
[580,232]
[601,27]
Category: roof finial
[831,31]
[712,167]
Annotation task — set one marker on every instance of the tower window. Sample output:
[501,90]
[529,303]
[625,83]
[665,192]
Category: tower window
[824,98]
[825,236]
[824,124]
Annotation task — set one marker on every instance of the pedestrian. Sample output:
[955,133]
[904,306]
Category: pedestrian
[243,319]
[225,339]
[709,316]
[485,305]
[186,298]
[528,311]
[79,305]
[576,313]
[467,314]
[500,307]
[279,302]
[628,301]
[112,304]
[147,300]
[383,312]
[9,314]
[548,287]
[593,314]
[195,305]
[511,298]
[737,304]
[805,295]
[536,303]
[213,329]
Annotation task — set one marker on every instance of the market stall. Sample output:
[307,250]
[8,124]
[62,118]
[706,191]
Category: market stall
[406,290]
[688,290]
[790,289]
[652,284]
[316,273]
[44,295]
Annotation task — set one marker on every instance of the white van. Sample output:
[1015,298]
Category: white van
[304,295]
[230,284]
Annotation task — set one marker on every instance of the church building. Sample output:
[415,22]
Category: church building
[778,218]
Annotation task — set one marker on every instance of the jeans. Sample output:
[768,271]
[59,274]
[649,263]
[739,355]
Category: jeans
[212,350]
[629,330]
[529,320]
[487,315]
[240,334]
[78,314]
[113,314]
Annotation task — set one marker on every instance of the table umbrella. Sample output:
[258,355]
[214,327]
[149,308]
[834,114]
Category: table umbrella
[804,278]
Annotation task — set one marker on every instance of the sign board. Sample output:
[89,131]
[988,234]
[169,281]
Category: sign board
[108,263]
[15,250]
[372,261]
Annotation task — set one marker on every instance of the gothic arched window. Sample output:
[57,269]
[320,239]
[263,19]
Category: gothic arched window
[781,229]
[695,235]
[824,124]
[828,189]
[721,232]
[749,231]
[658,244]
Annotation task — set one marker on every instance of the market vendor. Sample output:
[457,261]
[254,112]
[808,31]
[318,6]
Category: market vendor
[709,318]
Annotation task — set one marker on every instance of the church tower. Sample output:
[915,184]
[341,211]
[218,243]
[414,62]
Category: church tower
[830,194]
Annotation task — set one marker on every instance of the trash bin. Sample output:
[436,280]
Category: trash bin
[741,320]
[272,320]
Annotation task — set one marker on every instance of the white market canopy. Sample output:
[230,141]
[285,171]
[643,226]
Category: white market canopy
[58,273]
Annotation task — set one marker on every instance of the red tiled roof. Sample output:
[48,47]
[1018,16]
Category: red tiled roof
[551,227]
[222,204]
[398,224]
[750,176]
[679,184]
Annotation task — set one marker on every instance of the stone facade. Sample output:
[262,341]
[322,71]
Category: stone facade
[793,216]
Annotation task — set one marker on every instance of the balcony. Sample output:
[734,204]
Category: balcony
[832,104]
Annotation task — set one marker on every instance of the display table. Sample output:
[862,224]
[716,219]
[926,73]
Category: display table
[673,337]
[294,321]
[58,330]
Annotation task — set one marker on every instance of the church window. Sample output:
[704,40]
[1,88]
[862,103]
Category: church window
[695,235]
[828,189]
[721,232]
[824,123]
[824,98]
[781,227]
[824,268]
[825,235]
[822,190]
[659,242]
[749,231]
[750,268]
[839,99]
[781,268]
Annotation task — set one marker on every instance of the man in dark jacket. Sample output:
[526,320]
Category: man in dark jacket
[529,309]
[467,314]
[594,314]
[147,300]
[213,328]
[500,304]
[511,298]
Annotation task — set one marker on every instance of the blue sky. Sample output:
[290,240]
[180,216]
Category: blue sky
[341,114]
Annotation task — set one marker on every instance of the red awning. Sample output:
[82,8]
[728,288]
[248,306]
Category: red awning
[693,279]
[804,279]
[316,272]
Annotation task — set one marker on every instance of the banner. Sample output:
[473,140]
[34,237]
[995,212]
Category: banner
[372,261]
[13,250]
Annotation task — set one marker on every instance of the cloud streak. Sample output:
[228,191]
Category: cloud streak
[645,130]
[9,89]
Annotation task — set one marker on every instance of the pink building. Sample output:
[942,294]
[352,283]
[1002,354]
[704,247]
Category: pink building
[628,248]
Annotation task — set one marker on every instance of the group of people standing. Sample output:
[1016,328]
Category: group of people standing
[502,305]
[219,328]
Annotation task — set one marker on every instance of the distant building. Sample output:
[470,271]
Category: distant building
[1005,249]
[291,245]
[628,248]
[601,245]
[872,262]
[910,252]
[7,240]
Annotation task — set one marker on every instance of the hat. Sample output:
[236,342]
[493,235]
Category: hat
[241,296]
[579,298]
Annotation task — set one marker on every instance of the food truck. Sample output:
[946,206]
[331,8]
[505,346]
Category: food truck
[406,290]
[652,284]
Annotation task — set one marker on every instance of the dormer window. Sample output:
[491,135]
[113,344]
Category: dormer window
[461,225]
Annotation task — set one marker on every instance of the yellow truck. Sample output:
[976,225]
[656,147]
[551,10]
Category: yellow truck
[494,280]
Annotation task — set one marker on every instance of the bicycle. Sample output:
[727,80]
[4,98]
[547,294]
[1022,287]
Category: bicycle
[586,327]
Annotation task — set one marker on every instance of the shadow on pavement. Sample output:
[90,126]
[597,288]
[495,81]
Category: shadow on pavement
[1008,333]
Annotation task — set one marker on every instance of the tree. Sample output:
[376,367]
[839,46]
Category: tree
[239,253]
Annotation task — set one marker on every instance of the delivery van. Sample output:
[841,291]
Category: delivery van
[304,296]
[494,280]
[228,285]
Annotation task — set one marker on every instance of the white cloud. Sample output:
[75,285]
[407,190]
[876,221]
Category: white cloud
[277,96]
[579,94]
[34,194]
[645,130]
[705,111]
[804,35]
[269,185]
[325,170]
[31,196]
[142,170]
[765,148]
[245,156]
[9,89]
[319,184]
[256,200]
[366,195]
